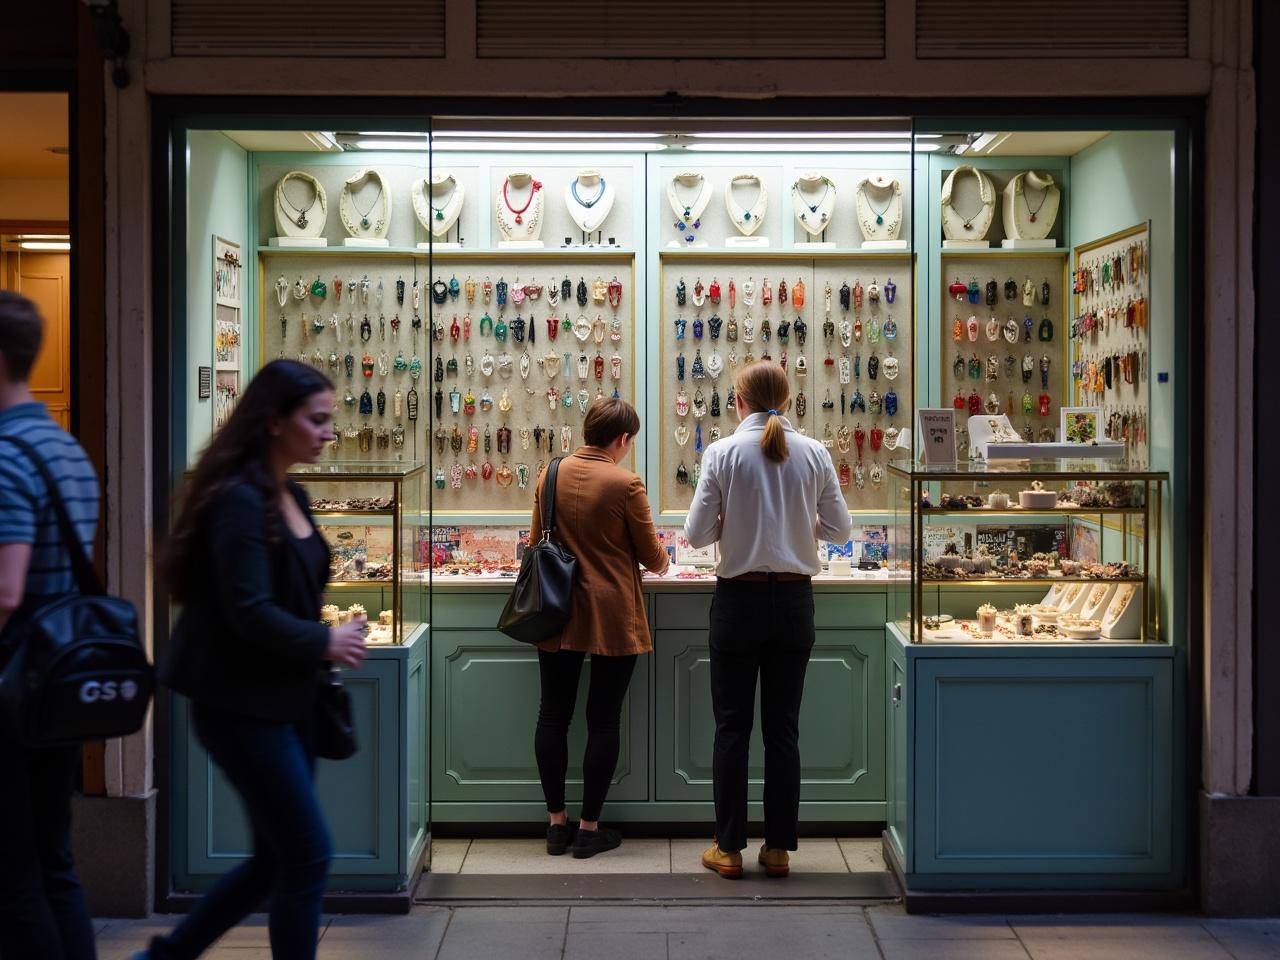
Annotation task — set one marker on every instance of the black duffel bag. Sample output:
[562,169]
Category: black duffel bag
[76,669]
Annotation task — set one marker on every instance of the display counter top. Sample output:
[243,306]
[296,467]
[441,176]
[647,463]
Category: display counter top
[878,581]
[1027,648]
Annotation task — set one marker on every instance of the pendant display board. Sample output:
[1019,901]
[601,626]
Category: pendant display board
[355,322]
[1010,348]
[710,342]
[1110,335]
[536,351]
[327,300]
[228,325]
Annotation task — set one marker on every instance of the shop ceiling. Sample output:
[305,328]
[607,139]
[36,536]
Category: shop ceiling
[841,135]
[34,145]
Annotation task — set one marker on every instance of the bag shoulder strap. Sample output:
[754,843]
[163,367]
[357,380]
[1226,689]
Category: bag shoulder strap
[86,577]
[549,497]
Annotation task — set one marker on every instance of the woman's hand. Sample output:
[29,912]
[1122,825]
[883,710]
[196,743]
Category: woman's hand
[346,643]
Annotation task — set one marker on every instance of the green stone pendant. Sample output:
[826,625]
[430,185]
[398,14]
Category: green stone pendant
[439,214]
[879,219]
[364,222]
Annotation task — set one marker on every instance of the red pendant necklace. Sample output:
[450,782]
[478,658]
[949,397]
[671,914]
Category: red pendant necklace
[507,200]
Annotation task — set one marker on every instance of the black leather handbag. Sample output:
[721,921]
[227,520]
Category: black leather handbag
[335,725]
[74,667]
[540,603]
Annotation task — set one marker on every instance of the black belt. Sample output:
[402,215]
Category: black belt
[770,577]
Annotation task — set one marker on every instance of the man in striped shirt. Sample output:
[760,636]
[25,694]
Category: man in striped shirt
[42,909]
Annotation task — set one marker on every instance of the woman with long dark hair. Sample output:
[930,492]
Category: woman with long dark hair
[249,567]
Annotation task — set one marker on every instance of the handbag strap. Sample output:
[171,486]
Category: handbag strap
[86,577]
[549,498]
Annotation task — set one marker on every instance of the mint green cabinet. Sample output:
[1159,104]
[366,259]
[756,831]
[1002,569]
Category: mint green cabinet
[1034,767]
[375,803]
[485,709]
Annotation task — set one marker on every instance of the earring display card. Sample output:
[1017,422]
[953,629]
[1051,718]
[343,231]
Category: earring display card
[228,327]
[510,361]
[705,343]
[1002,339]
[1110,337]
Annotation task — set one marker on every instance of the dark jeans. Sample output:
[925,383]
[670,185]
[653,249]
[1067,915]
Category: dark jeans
[765,630]
[42,910]
[610,677]
[272,767]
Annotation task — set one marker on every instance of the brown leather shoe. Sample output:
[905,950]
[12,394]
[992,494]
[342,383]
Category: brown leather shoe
[776,863]
[723,862]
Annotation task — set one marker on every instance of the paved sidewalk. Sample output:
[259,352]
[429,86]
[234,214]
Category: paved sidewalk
[709,931]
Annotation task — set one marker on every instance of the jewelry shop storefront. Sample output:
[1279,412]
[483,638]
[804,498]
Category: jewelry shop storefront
[999,682]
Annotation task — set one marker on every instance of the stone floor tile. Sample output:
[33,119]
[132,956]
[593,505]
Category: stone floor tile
[953,950]
[1266,927]
[530,856]
[891,922]
[597,944]
[863,855]
[505,933]
[447,855]
[420,930]
[814,856]
[1128,948]
[1111,927]
[693,919]
[834,938]
[1250,946]
[238,953]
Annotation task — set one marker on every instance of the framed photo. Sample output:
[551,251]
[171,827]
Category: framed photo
[937,435]
[1081,424]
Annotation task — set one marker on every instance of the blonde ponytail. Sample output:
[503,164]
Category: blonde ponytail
[763,388]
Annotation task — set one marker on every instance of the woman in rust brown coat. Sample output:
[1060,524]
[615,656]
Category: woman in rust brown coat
[602,515]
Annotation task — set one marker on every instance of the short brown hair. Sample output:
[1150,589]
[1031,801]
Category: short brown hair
[762,386]
[607,419]
[21,330]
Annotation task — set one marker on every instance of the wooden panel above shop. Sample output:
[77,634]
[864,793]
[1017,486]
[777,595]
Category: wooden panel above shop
[1087,29]
[308,28]
[667,29]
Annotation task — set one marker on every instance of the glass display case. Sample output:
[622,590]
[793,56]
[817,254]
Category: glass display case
[1039,552]
[372,515]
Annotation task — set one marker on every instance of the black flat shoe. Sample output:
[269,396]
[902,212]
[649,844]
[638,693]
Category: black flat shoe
[559,837]
[590,842]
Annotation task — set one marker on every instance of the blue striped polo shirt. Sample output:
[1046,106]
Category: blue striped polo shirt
[26,512]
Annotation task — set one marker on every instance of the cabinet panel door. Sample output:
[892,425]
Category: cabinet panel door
[484,708]
[359,795]
[842,718]
[896,752]
[1039,766]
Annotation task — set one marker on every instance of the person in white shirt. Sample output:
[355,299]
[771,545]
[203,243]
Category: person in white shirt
[767,494]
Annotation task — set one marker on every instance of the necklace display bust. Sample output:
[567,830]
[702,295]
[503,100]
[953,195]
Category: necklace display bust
[589,197]
[746,220]
[518,207]
[968,207]
[878,207]
[813,201]
[688,195]
[437,203]
[365,209]
[301,210]
[1031,203]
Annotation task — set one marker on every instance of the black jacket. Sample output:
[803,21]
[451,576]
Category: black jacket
[249,639]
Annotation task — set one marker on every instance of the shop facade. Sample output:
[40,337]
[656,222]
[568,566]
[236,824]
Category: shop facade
[186,172]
